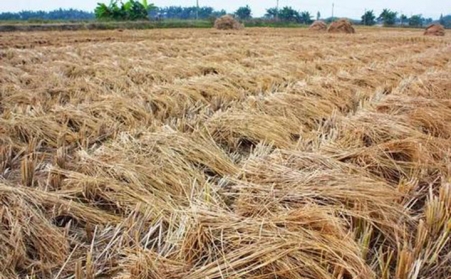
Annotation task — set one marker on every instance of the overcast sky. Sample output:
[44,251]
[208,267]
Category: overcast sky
[344,8]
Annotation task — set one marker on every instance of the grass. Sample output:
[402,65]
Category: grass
[258,153]
[100,25]
[49,25]
[273,23]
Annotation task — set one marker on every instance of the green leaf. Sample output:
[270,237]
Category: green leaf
[128,6]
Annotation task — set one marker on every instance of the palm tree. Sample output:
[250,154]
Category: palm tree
[305,17]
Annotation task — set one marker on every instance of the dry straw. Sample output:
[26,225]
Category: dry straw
[318,25]
[435,30]
[341,26]
[228,22]
[192,155]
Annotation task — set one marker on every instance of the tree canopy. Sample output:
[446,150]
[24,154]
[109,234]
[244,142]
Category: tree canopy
[178,12]
[60,14]
[416,21]
[305,18]
[271,13]
[446,21]
[288,14]
[130,10]
[441,20]
[403,18]
[388,17]
[369,18]
[244,12]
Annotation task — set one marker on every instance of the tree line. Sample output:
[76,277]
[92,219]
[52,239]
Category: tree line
[60,14]
[142,10]
[391,18]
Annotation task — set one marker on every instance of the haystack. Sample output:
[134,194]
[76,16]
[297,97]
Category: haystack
[435,30]
[228,22]
[318,26]
[341,26]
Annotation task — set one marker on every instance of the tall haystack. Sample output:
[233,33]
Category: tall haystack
[435,30]
[228,22]
[341,26]
[318,26]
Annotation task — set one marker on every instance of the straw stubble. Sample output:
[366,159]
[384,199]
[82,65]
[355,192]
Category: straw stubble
[203,154]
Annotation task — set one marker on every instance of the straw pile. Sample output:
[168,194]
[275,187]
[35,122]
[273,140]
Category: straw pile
[435,30]
[341,26]
[318,26]
[227,163]
[228,22]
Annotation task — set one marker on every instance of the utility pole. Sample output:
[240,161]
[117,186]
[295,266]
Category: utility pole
[197,9]
[364,18]
[333,7]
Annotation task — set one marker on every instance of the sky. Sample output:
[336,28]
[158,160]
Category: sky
[343,8]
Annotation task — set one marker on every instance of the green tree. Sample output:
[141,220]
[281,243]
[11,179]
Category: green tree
[388,17]
[110,11]
[447,21]
[369,18]
[60,14]
[441,20]
[403,18]
[244,12]
[289,14]
[427,21]
[271,13]
[130,10]
[135,10]
[318,15]
[305,18]
[416,21]
[218,13]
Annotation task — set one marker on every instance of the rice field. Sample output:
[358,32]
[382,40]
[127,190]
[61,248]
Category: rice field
[259,153]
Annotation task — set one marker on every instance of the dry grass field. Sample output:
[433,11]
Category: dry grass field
[260,153]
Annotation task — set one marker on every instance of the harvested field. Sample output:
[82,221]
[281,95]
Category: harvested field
[258,153]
